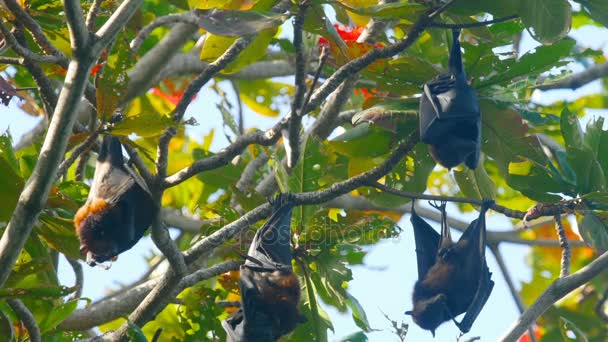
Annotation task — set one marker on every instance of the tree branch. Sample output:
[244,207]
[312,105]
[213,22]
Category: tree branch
[557,290]
[79,35]
[92,15]
[578,80]
[39,38]
[187,18]
[115,23]
[26,317]
[563,243]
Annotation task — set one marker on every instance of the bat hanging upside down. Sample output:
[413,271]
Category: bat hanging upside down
[118,210]
[270,290]
[450,118]
[453,277]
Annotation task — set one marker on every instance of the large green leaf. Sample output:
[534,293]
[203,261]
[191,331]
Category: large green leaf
[546,20]
[476,183]
[594,231]
[597,9]
[238,23]
[571,129]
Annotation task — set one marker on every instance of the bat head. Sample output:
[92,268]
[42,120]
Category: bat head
[97,244]
[430,313]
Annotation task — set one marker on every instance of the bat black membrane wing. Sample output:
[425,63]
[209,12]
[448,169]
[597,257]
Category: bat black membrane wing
[271,246]
[485,284]
[450,117]
[427,243]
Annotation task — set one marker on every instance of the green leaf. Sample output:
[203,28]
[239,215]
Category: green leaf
[38,291]
[596,9]
[215,46]
[505,136]
[58,315]
[135,333]
[567,326]
[317,22]
[571,129]
[547,20]
[386,114]
[358,312]
[359,336]
[530,64]
[594,231]
[6,325]
[597,140]
[476,183]
[59,233]
[113,80]
[409,11]
[265,97]
[146,116]
[589,174]
[11,182]
[238,23]
[596,200]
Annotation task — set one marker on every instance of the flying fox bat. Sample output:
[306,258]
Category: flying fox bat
[453,277]
[118,210]
[270,290]
[450,118]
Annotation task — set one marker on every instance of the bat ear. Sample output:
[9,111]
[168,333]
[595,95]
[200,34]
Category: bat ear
[409,312]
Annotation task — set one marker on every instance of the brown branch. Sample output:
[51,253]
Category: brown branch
[557,290]
[335,190]
[92,15]
[80,149]
[498,208]
[578,80]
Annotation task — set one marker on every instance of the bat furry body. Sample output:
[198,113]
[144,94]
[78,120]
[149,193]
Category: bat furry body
[118,210]
[450,118]
[453,277]
[270,290]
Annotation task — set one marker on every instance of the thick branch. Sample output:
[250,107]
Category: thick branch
[79,35]
[557,290]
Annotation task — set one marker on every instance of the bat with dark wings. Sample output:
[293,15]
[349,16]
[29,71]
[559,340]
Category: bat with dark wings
[270,290]
[453,277]
[118,210]
[450,118]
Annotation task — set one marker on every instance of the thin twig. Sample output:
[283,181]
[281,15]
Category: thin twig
[498,208]
[40,39]
[142,35]
[315,197]
[78,275]
[26,317]
[80,149]
[563,243]
[23,51]
[92,15]
[557,290]
[476,24]
[510,284]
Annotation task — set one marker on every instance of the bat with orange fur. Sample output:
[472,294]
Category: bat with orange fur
[118,210]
